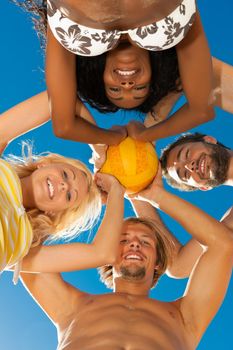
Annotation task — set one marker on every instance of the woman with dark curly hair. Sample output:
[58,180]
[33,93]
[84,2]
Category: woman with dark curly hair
[123,55]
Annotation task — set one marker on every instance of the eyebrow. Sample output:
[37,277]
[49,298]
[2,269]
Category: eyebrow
[139,98]
[74,176]
[121,98]
[179,153]
[145,235]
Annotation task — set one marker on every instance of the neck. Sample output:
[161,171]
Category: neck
[28,198]
[229,181]
[137,288]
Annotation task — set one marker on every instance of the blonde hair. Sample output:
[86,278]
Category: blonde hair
[65,224]
[164,248]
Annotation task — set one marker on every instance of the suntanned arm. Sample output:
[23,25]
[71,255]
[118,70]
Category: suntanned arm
[221,97]
[30,114]
[74,256]
[210,278]
[23,117]
[223,83]
[196,74]
[62,90]
[184,256]
[57,298]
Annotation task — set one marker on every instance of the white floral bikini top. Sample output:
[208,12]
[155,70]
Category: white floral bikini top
[156,36]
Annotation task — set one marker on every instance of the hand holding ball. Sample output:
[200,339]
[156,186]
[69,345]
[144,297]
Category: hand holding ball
[133,163]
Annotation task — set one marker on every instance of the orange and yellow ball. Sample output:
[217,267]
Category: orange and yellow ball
[133,163]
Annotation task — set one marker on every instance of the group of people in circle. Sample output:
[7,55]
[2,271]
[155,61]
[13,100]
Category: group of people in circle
[132,55]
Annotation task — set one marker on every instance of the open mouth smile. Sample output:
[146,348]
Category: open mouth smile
[126,73]
[203,167]
[133,256]
[50,188]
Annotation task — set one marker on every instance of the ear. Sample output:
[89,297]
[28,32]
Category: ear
[210,139]
[203,188]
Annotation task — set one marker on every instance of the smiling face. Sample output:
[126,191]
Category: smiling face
[137,253]
[56,187]
[198,164]
[127,76]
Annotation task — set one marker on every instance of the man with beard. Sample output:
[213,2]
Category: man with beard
[128,318]
[197,161]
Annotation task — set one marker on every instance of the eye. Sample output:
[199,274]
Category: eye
[124,241]
[145,243]
[65,175]
[114,89]
[68,196]
[140,87]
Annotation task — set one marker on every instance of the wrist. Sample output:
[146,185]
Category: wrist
[155,197]
[147,134]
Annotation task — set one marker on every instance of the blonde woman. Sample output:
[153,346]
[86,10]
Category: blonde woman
[53,196]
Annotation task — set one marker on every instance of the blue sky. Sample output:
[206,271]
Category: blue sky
[23,326]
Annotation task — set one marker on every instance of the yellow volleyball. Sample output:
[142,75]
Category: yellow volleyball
[133,163]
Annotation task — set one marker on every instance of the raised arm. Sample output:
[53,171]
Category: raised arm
[57,298]
[221,97]
[62,90]
[23,117]
[210,278]
[77,256]
[184,256]
[196,74]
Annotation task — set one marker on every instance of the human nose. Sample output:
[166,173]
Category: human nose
[64,186]
[127,85]
[135,244]
[191,165]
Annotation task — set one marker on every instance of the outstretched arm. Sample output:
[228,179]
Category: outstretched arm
[197,81]
[62,90]
[223,85]
[184,256]
[57,298]
[29,115]
[221,97]
[23,117]
[210,278]
[101,251]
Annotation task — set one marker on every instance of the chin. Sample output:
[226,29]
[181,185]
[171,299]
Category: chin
[133,273]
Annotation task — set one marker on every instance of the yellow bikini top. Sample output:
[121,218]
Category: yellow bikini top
[15,229]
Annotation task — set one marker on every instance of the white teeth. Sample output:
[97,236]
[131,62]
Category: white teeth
[202,166]
[51,188]
[125,72]
[134,257]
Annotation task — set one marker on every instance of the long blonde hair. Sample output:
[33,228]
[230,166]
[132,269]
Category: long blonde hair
[70,222]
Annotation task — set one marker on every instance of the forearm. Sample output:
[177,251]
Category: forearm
[223,85]
[107,237]
[23,117]
[162,109]
[82,130]
[184,119]
[183,257]
[76,256]
[205,229]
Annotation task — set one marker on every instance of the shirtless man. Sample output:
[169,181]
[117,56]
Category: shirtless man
[128,319]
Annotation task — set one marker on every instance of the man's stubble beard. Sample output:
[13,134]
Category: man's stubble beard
[221,160]
[133,273]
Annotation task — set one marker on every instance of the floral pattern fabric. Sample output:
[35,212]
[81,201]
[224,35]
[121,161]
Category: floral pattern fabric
[156,36]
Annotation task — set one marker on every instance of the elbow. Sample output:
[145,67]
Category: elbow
[225,242]
[61,131]
[207,114]
[109,258]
